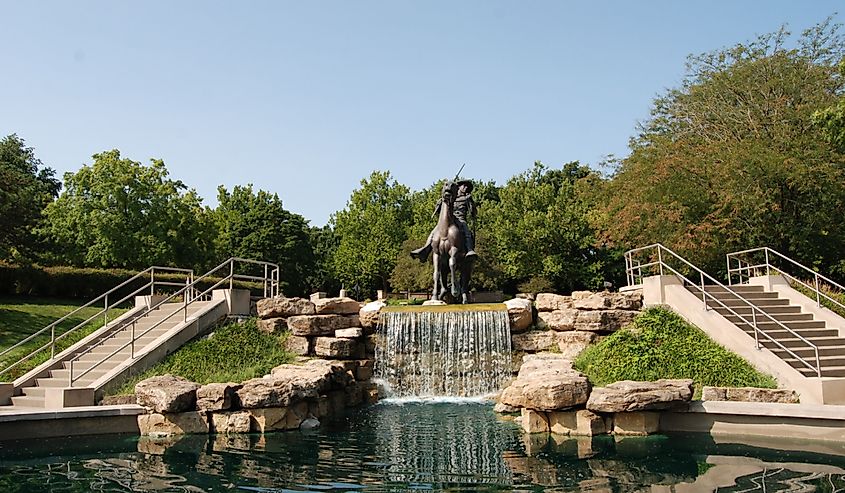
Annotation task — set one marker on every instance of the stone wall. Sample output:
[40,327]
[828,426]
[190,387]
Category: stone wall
[568,324]
[292,396]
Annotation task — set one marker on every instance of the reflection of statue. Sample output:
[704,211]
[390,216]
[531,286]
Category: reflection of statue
[451,242]
[463,207]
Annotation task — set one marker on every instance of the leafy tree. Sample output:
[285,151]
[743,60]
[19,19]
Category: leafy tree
[257,226]
[26,187]
[323,243]
[120,213]
[539,231]
[733,159]
[370,232]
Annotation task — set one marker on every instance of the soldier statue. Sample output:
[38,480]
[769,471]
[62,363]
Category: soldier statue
[463,208]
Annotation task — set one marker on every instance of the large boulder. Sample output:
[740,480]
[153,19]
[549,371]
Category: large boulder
[290,383]
[338,306]
[546,382]
[520,314]
[338,347]
[603,320]
[317,325]
[559,320]
[271,325]
[167,394]
[297,344]
[216,396]
[284,307]
[573,342]
[549,302]
[162,425]
[534,341]
[230,422]
[369,314]
[587,300]
[627,396]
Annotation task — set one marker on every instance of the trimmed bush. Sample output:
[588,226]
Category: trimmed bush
[660,344]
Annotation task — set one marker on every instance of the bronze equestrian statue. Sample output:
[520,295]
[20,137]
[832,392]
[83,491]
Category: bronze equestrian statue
[451,242]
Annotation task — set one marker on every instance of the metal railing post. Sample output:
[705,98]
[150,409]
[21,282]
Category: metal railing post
[132,350]
[106,314]
[818,293]
[231,274]
[52,341]
[70,375]
[660,259]
[728,262]
[265,280]
[768,267]
[754,323]
[152,283]
[703,293]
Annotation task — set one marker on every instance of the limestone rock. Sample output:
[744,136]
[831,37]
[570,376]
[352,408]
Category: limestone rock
[118,400]
[637,423]
[167,394]
[603,320]
[284,307]
[503,408]
[268,419]
[558,320]
[364,371]
[586,300]
[534,341]
[270,325]
[749,394]
[339,306]
[333,347]
[231,422]
[369,314]
[520,313]
[310,424]
[216,396]
[298,344]
[572,343]
[628,396]
[289,383]
[350,333]
[548,302]
[546,382]
[317,325]
[578,423]
[169,424]
[534,421]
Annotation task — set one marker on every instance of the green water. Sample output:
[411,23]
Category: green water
[430,447]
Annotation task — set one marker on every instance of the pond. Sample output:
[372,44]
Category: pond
[445,446]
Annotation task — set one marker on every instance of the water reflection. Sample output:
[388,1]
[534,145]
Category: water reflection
[420,446]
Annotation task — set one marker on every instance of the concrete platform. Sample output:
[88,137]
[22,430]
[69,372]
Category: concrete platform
[23,423]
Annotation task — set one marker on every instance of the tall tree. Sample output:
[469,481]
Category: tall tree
[257,226]
[370,232]
[732,159]
[540,235]
[119,213]
[26,187]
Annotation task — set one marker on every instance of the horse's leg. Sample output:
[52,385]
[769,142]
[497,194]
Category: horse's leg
[453,267]
[444,280]
[435,257]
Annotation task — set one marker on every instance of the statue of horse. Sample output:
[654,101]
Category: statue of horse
[448,248]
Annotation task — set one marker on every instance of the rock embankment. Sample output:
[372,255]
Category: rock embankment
[291,397]
[553,397]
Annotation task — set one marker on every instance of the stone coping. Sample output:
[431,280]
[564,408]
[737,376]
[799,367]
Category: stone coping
[36,414]
[470,307]
[767,409]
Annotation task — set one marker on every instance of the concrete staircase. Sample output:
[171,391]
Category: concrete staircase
[105,358]
[831,346]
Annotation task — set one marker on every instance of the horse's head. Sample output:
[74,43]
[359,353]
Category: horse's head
[450,190]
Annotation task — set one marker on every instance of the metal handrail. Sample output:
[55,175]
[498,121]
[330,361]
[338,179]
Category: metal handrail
[769,267]
[631,268]
[189,296]
[104,312]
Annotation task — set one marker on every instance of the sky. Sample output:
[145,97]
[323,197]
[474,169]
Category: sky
[306,99]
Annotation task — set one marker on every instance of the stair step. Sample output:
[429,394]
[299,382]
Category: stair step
[26,401]
[766,324]
[39,392]
[64,374]
[808,352]
[724,295]
[51,382]
[780,317]
[746,310]
[794,342]
[825,362]
[836,371]
[780,334]
[738,288]
[763,303]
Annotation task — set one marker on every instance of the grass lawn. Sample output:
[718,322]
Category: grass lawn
[22,316]
[661,344]
[234,352]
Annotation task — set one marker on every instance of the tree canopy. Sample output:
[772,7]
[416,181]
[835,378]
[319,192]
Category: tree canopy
[26,187]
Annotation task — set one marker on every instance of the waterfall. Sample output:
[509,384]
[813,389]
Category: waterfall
[457,351]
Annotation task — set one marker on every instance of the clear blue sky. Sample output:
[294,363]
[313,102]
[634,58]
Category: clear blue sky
[307,98]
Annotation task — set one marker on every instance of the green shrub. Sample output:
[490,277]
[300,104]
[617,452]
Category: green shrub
[660,344]
[232,353]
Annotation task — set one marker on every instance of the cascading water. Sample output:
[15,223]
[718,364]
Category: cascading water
[462,351]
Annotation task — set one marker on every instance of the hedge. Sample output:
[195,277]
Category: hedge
[84,283]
